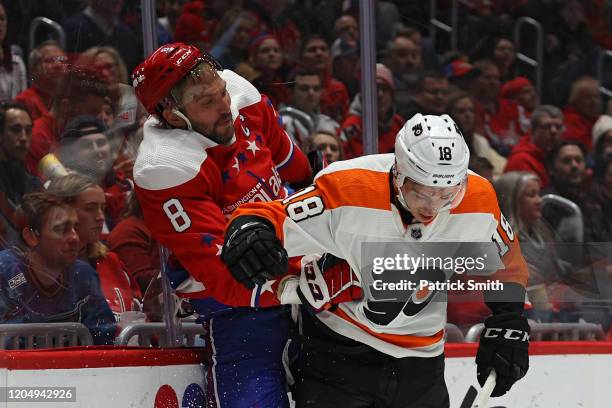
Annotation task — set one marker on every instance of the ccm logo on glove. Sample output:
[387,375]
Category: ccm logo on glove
[509,334]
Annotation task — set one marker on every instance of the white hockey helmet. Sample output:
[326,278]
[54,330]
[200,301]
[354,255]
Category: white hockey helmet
[430,150]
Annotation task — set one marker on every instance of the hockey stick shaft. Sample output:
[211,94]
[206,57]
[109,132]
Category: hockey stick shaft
[482,399]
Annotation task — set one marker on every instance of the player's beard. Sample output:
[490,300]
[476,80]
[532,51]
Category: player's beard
[220,132]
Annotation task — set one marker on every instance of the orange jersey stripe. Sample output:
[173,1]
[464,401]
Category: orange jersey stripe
[356,188]
[400,340]
[480,197]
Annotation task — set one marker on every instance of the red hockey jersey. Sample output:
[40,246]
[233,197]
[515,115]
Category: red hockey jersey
[188,186]
[121,292]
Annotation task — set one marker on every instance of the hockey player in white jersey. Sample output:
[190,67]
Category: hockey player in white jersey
[363,351]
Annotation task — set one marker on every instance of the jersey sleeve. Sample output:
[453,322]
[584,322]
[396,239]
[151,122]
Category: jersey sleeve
[290,162]
[504,237]
[302,221]
[187,221]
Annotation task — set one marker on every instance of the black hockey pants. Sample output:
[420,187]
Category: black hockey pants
[336,372]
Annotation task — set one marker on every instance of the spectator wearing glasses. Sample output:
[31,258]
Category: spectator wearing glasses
[16,130]
[431,97]
[531,152]
[43,281]
[47,63]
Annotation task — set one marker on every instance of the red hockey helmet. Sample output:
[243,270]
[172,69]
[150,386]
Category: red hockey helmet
[161,71]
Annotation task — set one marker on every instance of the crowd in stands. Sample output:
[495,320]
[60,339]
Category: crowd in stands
[71,230]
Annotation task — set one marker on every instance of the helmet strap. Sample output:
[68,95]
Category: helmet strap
[398,181]
[182,116]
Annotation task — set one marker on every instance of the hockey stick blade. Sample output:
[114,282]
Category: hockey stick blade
[482,399]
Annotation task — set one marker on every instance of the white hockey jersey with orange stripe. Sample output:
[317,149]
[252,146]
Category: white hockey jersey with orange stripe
[350,204]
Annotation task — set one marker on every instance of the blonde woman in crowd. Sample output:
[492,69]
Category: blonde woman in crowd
[121,292]
[518,193]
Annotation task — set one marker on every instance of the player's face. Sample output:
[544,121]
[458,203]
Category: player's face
[90,207]
[207,104]
[530,203]
[17,134]
[426,202]
[58,242]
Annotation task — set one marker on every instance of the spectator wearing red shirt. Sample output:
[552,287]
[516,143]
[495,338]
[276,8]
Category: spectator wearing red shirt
[521,90]
[121,292]
[583,110]
[389,122]
[192,27]
[497,118]
[133,242]
[47,64]
[81,91]
[334,99]
[532,151]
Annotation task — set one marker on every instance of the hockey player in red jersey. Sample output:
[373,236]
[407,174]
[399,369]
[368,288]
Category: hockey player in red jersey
[363,351]
[214,142]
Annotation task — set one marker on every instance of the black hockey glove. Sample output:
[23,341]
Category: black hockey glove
[252,252]
[504,345]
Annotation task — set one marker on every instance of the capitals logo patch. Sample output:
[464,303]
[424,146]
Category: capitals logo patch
[417,129]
